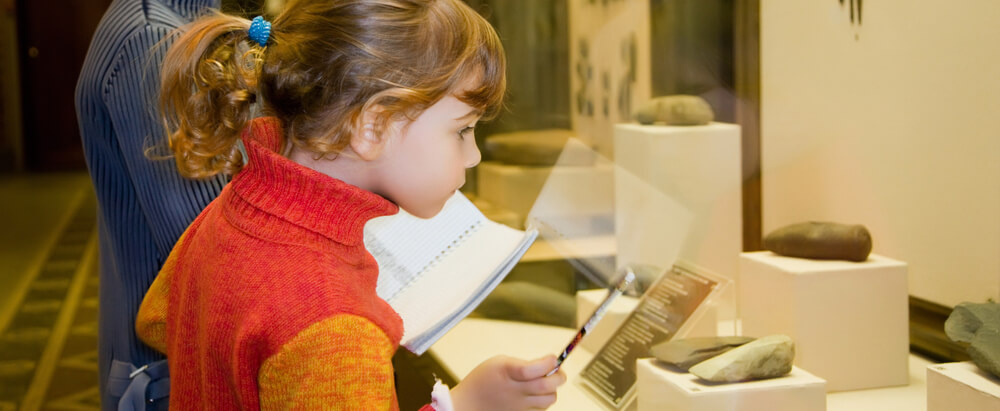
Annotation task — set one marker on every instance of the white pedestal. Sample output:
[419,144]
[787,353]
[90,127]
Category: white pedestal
[661,389]
[698,167]
[516,188]
[679,197]
[961,386]
[850,321]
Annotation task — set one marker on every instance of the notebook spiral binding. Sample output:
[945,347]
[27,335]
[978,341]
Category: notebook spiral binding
[444,253]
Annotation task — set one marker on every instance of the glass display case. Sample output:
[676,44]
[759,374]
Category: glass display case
[807,187]
[668,131]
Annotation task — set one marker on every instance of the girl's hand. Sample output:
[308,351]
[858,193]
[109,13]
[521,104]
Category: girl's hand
[505,383]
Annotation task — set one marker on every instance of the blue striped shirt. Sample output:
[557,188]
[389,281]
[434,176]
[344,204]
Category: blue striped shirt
[144,204]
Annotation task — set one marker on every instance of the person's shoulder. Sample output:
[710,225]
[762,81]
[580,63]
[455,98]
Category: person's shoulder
[161,16]
[140,20]
[125,26]
[121,20]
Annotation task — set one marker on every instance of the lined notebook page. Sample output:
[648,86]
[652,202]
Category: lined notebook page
[434,272]
[418,244]
[449,286]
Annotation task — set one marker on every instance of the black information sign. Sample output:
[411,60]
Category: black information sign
[663,309]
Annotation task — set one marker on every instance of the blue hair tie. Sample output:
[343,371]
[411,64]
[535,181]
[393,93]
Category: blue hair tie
[260,30]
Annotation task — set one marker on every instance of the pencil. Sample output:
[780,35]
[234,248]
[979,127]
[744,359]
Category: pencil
[595,317]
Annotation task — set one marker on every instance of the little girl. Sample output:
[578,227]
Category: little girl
[268,299]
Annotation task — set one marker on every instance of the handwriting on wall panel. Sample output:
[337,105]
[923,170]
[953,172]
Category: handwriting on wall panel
[856,7]
[610,66]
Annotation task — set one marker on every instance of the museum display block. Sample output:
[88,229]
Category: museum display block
[664,388]
[850,321]
[680,197]
[961,386]
[516,187]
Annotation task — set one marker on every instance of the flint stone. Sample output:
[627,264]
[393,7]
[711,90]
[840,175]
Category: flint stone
[690,351]
[978,325]
[821,241]
[985,349]
[676,110]
[966,319]
[767,357]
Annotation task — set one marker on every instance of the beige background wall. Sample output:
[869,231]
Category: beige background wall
[894,124]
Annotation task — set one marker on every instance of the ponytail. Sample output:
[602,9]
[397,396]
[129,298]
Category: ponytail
[207,91]
[327,63]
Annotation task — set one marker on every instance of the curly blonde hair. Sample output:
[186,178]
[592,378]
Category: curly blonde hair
[326,63]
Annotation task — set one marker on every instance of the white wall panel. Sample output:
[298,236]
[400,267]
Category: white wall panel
[893,123]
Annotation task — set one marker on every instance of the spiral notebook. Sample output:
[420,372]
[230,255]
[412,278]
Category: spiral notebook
[435,271]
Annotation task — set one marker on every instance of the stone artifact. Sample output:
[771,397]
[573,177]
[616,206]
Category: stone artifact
[676,110]
[820,240]
[537,148]
[690,351]
[767,357]
[978,325]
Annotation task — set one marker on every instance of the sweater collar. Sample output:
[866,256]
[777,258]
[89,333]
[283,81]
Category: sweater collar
[275,185]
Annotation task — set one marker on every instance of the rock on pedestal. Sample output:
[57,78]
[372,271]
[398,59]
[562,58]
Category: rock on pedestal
[849,321]
[978,325]
[766,357]
[687,352]
[662,388]
[961,386]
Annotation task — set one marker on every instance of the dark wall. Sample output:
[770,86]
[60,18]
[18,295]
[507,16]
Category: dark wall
[52,44]
[692,51]
[10,124]
[535,35]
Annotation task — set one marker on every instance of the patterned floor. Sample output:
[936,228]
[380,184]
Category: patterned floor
[48,333]
[48,357]
[49,301]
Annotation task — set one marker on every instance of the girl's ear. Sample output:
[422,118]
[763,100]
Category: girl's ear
[365,142]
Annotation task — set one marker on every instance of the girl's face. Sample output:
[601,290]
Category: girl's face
[423,162]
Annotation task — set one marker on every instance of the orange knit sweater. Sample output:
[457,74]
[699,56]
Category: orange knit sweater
[268,299]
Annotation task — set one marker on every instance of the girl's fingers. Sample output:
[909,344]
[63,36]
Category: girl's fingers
[540,402]
[530,370]
[544,385]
